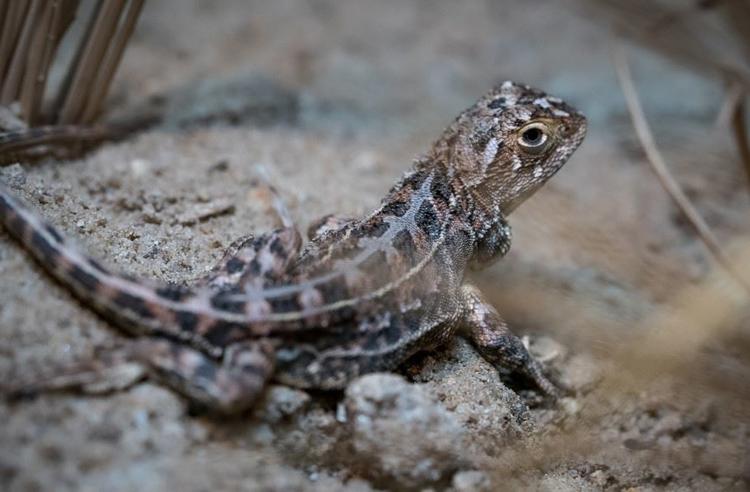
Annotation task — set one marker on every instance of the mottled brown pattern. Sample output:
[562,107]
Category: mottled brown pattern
[364,294]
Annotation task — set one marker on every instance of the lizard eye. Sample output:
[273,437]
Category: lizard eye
[533,138]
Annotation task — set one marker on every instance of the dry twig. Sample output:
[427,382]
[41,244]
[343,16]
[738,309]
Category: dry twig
[30,34]
[666,179]
[741,134]
[707,37]
[111,60]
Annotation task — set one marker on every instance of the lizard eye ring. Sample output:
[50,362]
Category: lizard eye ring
[533,138]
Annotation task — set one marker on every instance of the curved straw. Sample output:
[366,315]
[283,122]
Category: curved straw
[659,166]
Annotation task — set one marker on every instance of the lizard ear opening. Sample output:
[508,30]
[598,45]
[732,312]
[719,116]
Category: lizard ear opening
[534,138]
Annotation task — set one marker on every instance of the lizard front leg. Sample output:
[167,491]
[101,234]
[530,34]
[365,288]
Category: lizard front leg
[482,324]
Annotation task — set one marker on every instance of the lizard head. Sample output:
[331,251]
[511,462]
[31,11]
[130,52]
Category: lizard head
[509,143]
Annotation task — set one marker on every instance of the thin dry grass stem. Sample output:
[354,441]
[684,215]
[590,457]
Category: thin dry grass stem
[739,127]
[735,92]
[14,76]
[11,26]
[63,90]
[63,16]
[666,179]
[91,55]
[699,35]
[5,9]
[733,115]
[32,86]
[56,19]
[111,61]
[737,13]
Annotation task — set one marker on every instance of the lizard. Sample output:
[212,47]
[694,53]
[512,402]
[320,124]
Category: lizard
[363,294]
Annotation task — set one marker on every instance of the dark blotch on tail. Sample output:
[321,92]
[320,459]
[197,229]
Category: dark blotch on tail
[285,305]
[15,224]
[221,333]
[173,292]
[4,205]
[188,321]
[134,304]
[98,267]
[223,301]
[47,252]
[84,279]
[55,235]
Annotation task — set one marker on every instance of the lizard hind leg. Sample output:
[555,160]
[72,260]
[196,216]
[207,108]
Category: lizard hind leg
[107,370]
[254,261]
[227,386]
[327,225]
[224,386]
[498,345]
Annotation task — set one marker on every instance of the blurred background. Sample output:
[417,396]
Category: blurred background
[643,317]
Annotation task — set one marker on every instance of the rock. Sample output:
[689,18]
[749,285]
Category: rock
[561,482]
[282,402]
[241,98]
[493,414]
[313,438]
[580,373]
[570,406]
[546,349]
[399,434]
[471,481]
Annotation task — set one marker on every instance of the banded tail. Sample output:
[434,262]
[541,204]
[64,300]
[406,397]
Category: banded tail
[138,306]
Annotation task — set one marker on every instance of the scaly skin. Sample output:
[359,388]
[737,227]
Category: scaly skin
[364,294]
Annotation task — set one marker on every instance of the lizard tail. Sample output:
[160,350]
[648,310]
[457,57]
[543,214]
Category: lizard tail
[200,316]
[137,306]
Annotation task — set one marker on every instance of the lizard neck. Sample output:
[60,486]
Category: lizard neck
[473,206]
[470,202]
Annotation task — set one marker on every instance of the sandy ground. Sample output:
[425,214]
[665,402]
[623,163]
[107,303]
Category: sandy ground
[334,99]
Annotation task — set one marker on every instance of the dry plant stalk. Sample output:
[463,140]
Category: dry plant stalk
[111,61]
[658,164]
[701,35]
[708,37]
[31,34]
[739,127]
